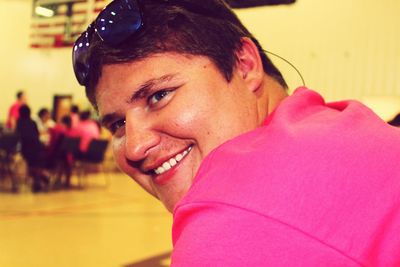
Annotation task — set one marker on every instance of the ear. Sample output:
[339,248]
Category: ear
[249,65]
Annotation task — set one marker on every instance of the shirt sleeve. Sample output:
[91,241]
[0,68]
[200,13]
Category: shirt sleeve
[214,234]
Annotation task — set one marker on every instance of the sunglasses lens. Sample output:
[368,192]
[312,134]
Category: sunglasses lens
[118,21]
[79,57]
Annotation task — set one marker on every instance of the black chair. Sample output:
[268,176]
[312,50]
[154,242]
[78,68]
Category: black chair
[95,152]
[8,150]
[63,158]
[92,160]
[68,146]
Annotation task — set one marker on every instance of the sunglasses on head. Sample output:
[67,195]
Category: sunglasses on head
[115,23]
[121,19]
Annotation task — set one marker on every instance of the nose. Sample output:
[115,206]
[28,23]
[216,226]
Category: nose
[140,137]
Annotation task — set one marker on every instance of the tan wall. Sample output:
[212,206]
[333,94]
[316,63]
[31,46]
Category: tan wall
[344,49]
[40,72]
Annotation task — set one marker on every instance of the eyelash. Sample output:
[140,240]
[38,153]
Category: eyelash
[162,93]
[116,125]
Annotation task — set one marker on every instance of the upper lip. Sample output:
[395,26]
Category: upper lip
[159,161]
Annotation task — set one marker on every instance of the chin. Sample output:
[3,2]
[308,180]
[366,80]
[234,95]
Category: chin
[170,204]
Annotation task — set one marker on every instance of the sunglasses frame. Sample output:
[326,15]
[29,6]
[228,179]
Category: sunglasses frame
[81,46]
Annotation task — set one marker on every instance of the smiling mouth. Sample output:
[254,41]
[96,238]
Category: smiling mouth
[172,162]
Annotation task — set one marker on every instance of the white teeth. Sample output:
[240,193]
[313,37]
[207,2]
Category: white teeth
[178,157]
[159,170]
[166,166]
[172,162]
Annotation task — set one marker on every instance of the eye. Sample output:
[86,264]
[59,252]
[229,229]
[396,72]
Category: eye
[158,96]
[115,126]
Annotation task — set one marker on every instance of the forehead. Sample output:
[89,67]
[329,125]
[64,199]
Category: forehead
[118,79]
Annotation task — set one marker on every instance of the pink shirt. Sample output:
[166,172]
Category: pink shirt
[74,119]
[13,115]
[86,130]
[317,185]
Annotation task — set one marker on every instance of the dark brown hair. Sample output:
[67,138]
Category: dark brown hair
[207,28]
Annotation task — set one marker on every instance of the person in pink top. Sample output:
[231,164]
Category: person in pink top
[201,119]
[13,112]
[87,129]
[74,115]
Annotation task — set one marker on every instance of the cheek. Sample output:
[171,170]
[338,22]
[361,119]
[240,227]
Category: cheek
[193,121]
[118,151]
[184,116]
[202,124]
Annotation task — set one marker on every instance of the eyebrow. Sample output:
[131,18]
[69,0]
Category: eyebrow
[142,91]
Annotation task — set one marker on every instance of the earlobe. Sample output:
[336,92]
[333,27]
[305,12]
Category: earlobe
[249,64]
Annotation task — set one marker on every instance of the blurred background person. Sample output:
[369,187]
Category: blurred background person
[87,129]
[74,115]
[13,112]
[44,124]
[32,150]
[58,133]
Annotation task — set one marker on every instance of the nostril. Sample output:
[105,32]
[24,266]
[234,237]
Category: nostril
[136,152]
[134,164]
[139,144]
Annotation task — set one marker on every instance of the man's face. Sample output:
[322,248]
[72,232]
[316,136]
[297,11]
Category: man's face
[167,112]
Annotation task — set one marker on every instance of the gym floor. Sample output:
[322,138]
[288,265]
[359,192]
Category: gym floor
[117,224]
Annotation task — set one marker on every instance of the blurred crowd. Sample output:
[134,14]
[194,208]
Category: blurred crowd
[40,139]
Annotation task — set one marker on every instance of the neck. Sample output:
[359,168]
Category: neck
[271,94]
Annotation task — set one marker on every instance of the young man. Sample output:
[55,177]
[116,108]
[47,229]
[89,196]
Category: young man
[201,120]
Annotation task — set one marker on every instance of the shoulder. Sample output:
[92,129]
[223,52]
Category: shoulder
[313,167]
[304,137]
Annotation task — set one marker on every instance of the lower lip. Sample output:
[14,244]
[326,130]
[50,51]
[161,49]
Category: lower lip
[165,177]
